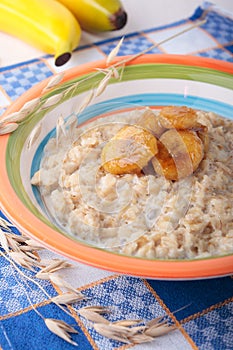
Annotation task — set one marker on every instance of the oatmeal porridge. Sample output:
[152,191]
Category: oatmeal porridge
[144,183]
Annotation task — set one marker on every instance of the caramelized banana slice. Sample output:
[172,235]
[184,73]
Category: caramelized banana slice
[178,117]
[128,151]
[203,135]
[179,154]
[150,121]
[164,164]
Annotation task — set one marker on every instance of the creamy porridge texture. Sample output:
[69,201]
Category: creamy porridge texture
[165,207]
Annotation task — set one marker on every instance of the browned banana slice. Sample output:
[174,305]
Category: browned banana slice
[178,117]
[128,151]
[179,154]
[150,121]
[203,135]
[202,132]
[164,164]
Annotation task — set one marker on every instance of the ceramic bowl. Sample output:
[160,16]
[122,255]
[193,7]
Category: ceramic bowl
[150,80]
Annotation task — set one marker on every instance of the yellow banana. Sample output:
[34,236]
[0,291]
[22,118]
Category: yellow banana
[97,15]
[45,24]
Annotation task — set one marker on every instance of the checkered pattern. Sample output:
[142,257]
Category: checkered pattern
[218,54]
[219,27]
[16,292]
[203,321]
[212,330]
[130,46]
[189,43]
[131,299]
[17,81]
[229,48]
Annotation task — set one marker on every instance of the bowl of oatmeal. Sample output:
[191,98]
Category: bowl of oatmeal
[127,169]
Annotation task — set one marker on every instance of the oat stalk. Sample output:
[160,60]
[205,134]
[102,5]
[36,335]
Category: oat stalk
[126,331]
[34,135]
[5,224]
[15,250]
[11,121]
[114,52]
[61,329]
[131,58]
[54,82]
[32,280]
[68,298]
[21,251]
[25,291]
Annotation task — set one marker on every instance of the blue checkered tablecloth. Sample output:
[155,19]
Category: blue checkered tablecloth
[206,321]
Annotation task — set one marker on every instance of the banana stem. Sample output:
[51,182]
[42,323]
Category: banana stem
[63,53]
[62,59]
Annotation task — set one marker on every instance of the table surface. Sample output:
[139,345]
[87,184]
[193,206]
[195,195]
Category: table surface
[206,321]
[142,15]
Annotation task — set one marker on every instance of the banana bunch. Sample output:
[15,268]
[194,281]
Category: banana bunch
[54,26]
[97,15]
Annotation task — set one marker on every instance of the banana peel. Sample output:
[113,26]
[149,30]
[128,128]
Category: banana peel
[45,24]
[97,15]
[55,26]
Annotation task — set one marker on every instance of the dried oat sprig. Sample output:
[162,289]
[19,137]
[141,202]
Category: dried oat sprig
[87,100]
[93,314]
[60,282]
[115,73]
[70,125]
[112,71]
[53,266]
[54,82]
[14,241]
[71,122]
[114,332]
[148,49]
[159,330]
[127,323]
[114,52]
[3,241]
[103,83]
[34,135]
[15,117]
[98,90]
[98,309]
[126,331]
[60,129]
[52,101]
[133,335]
[8,128]
[18,239]
[5,224]
[18,250]
[58,327]
[24,260]
[28,107]
[34,245]
[41,104]
[68,298]
[61,329]
[32,280]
